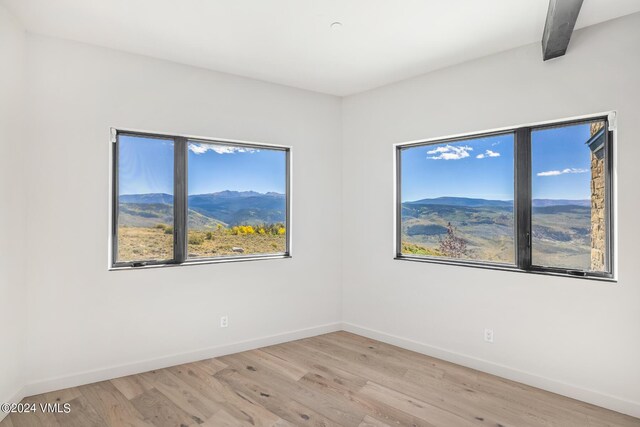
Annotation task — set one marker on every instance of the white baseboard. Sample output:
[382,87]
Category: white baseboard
[590,396]
[16,398]
[88,377]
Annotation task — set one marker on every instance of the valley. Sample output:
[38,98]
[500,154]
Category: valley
[227,223]
[560,230]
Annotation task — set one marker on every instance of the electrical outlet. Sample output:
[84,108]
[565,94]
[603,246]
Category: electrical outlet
[224,321]
[488,335]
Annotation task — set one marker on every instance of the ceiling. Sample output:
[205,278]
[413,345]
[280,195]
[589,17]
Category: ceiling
[291,42]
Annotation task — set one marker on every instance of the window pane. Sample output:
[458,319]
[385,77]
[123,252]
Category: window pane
[237,200]
[145,190]
[457,200]
[569,197]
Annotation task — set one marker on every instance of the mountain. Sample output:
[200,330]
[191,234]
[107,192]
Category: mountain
[539,203]
[246,207]
[470,202]
[152,214]
[205,210]
[461,201]
[151,198]
[561,229]
[228,194]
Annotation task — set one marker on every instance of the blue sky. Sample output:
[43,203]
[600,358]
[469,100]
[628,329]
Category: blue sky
[146,166]
[561,163]
[479,168]
[483,168]
[215,168]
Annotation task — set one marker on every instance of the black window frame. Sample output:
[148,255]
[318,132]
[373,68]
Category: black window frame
[522,201]
[180,201]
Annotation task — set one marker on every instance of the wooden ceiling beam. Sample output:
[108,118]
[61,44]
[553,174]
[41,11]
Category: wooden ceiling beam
[561,18]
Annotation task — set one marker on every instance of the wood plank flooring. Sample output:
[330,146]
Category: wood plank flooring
[338,379]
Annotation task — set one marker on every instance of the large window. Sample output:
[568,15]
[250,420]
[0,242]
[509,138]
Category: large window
[458,199]
[145,215]
[534,199]
[179,200]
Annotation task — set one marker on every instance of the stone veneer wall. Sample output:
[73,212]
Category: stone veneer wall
[598,205]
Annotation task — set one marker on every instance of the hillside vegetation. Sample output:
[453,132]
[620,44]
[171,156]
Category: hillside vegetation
[485,229]
[219,224]
[155,243]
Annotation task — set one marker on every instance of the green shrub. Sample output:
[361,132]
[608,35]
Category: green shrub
[168,230]
[196,239]
[410,248]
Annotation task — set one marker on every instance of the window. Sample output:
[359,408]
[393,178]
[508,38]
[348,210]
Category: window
[569,197]
[237,200]
[178,200]
[534,199]
[145,199]
[458,199]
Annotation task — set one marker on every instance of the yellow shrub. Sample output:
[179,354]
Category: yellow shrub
[246,229]
[240,230]
[243,229]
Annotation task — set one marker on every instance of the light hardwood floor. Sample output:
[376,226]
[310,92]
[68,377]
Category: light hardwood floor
[338,379]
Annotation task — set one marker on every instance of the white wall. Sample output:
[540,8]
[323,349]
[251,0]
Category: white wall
[12,236]
[573,336]
[85,319]
[576,337]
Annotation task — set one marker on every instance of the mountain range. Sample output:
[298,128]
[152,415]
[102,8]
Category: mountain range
[471,202]
[227,208]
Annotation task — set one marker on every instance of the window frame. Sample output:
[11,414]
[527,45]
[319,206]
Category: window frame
[522,200]
[180,201]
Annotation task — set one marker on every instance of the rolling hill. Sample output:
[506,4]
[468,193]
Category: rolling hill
[471,202]
[560,228]
[460,201]
[227,208]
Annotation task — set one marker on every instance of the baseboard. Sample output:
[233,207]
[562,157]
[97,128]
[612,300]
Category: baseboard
[590,396]
[16,398]
[88,377]
[575,392]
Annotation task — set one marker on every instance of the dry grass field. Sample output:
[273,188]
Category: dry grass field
[209,244]
[144,244]
[151,243]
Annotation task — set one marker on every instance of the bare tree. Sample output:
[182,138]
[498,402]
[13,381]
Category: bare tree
[452,246]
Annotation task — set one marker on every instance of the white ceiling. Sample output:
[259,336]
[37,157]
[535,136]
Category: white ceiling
[291,42]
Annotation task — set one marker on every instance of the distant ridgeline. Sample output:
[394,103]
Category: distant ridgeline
[206,211]
[451,205]
[567,219]
[469,202]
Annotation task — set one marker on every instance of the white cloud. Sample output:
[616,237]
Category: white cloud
[562,172]
[449,152]
[197,148]
[488,153]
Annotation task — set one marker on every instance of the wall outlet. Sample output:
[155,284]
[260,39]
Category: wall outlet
[488,335]
[224,321]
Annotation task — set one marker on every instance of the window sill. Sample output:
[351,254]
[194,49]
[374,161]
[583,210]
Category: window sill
[201,262]
[504,267]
